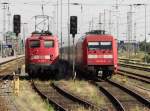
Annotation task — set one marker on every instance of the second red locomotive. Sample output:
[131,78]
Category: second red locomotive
[41,53]
[97,53]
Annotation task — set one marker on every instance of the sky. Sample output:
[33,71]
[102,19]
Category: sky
[88,12]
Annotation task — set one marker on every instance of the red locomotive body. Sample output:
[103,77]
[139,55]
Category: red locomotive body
[97,54]
[41,53]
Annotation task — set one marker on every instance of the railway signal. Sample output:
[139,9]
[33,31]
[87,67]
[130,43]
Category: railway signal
[16,24]
[73,31]
[16,29]
[73,25]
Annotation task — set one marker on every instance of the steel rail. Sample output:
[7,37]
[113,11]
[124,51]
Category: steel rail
[136,77]
[8,77]
[2,78]
[76,98]
[135,67]
[127,59]
[66,95]
[11,60]
[134,62]
[132,93]
[117,104]
[57,106]
[140,75]
[138,86]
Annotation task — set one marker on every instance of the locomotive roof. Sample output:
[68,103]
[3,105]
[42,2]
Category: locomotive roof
[38,36]
[96,37]
[42,33]
[97,32]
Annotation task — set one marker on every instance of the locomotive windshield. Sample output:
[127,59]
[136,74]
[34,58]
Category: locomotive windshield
[49,43]
[34,44]
[99,45]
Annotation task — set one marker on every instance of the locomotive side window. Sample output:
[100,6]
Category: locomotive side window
[49,43]
[34,44]
[99,45]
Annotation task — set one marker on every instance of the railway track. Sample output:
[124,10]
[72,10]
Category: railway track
[117,104]
[5,62]
[10,65]
[134,64]
[6,70]
[122,97]
[139,67]
[140,87]
[127,59]
[7,103]
[3,106]
[139,77]
[137,62]
[61,99]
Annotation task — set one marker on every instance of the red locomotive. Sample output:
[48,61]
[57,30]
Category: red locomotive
[41,53]
[97,53]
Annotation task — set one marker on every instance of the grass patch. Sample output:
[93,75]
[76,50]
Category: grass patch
[84,90]
[138,108]
[28,99]
[138,56]
[82,109]
[126,80]
[120,78]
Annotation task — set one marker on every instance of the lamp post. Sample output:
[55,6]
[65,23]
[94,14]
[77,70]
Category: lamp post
[5,4]
[57,15]
[61,13]
[145,29]
[69,30]
[1,48]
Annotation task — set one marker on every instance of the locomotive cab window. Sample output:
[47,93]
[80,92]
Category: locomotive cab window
[34,43]
[106,45]
[48,43]
[99,45]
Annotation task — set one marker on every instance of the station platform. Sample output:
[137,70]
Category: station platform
[9,58]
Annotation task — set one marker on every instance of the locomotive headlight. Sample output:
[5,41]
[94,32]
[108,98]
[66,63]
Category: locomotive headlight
[108,56]
[35,57]
[47,57]
[92,56]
